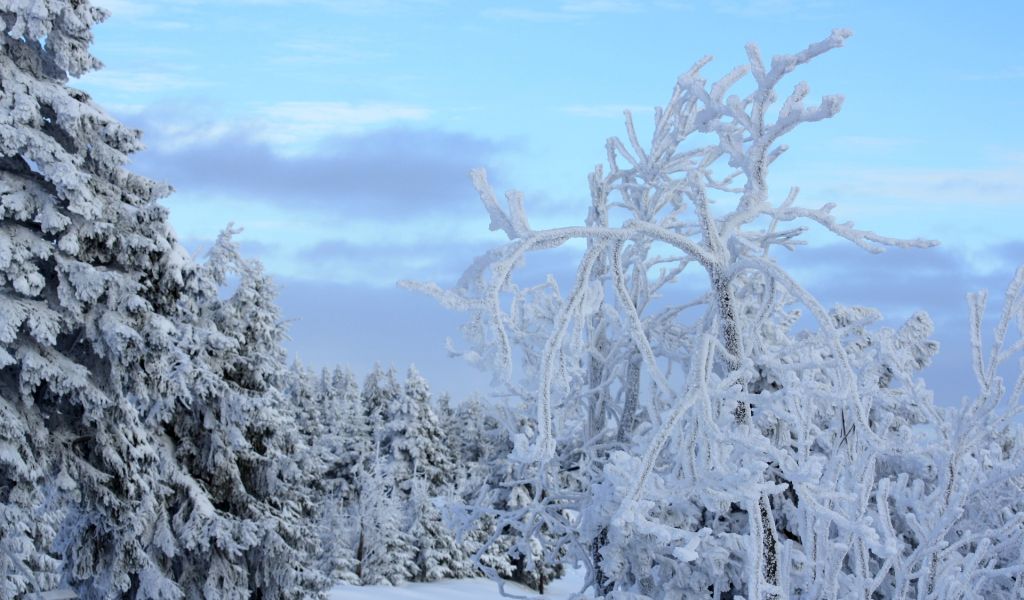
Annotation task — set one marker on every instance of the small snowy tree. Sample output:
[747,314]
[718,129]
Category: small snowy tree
[438,554]
[419,448]
[346,440]
[423,464]
[385,552]
[504,536]
[342,446]
[468,429]
[381,393]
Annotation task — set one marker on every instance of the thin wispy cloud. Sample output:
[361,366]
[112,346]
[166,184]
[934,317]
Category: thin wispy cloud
[326,52]
[382,264]
[950,187]
[768,8]
[292,127]
[873,142]
[125,82]
[604,111]
[128,9]
[528,14]
[171,25]
[300,122]
[570,10]
[351,7]
[600,6]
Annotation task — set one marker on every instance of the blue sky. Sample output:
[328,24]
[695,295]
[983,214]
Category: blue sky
[339,134]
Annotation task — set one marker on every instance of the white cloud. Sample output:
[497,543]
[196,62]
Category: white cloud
[326,52]
[872,142]
[600,6]
[573,10]
[767,8]
[528,14]
[299,122]
[127,82]
[290,128]
[604,111]
[990,186]
[972,207]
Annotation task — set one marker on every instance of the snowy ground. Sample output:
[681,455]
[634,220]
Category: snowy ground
[458,589]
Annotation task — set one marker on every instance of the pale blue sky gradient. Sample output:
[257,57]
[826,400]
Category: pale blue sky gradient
[339,133]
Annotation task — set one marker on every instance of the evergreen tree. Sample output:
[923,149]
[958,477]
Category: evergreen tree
[337,395]
[385,552]
[423,465]
[381,392]
[335,526]
[357,448]
[237,503]
[301,387]
[469,432]
[419,449]
[89,271]
[438,554]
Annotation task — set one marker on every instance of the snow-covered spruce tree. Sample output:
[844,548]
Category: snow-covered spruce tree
[301,387]
[385,552]
[481,446]
[419,448]
[381,391]
[358,439]
[347,441]
[327,415]
[423,466]
[342,446]
[763,460]
[438,554]
[468,429]
[90,271]
[237,503]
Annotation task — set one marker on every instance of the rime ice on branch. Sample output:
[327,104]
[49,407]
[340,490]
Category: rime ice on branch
[758,460]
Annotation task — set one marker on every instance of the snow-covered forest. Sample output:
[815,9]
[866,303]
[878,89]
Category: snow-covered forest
[682,419]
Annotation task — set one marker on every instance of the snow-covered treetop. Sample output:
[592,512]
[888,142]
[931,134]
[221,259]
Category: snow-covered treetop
[699,189]
[63,28]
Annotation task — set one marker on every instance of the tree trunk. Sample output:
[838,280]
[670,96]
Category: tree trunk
[360,551]
[629,405]
[744,414]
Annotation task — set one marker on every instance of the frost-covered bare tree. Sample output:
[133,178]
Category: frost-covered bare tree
[718,445]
